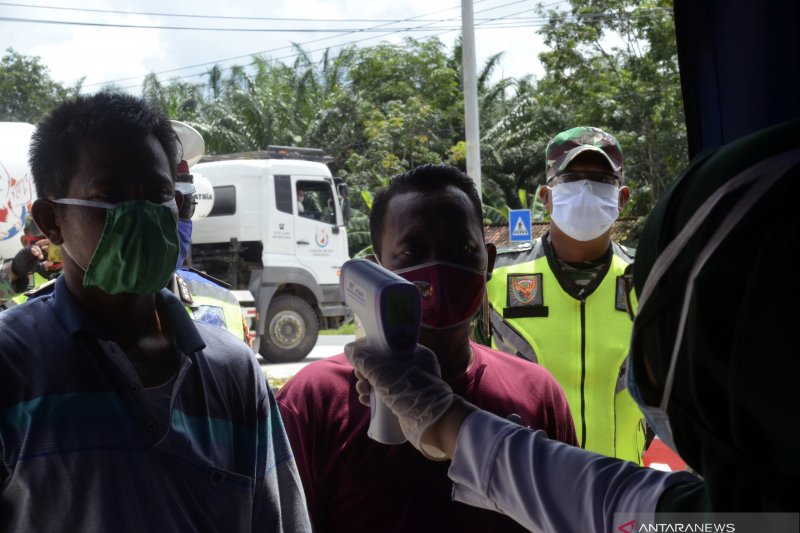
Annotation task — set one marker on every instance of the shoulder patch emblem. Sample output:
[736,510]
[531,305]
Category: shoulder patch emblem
[525,290]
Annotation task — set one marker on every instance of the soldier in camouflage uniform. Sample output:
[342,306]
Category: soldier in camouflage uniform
[561,300]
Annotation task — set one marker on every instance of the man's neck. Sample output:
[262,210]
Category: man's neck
[572,251]
[123,318]
[451,347]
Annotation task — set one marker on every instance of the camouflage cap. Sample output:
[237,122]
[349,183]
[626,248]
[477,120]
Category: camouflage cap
[567,145]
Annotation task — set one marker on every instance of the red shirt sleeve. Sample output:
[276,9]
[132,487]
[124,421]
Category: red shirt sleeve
[303,439]
[563,426]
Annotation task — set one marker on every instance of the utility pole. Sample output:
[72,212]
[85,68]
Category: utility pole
[470,93]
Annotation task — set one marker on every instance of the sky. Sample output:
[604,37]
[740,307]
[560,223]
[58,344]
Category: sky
[125,55]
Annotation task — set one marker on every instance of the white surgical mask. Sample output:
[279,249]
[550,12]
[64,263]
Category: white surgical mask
[584,209]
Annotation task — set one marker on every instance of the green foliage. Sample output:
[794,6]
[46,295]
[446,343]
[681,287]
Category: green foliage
[613,64]
[384,109]
[26,90]
[523,198]
[346,329]
[358,237]
[610,64]
[400,107]
[367,197]
[538,212]
[387,108]
[495,210]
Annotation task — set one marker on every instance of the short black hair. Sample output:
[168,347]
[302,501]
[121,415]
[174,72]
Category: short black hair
[424,178]
[104,117]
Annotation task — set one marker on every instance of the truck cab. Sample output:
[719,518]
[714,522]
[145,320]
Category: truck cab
[278,229]
[17,190]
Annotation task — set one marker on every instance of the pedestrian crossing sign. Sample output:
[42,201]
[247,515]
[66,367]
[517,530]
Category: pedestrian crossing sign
[519,224]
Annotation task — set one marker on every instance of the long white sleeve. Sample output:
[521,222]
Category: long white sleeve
[547,485]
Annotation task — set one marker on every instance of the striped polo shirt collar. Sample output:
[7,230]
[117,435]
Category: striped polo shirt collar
[75,319]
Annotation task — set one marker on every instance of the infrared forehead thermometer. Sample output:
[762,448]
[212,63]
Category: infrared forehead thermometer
[388,308]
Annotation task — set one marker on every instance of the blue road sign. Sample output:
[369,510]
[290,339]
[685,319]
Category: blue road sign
[519,224]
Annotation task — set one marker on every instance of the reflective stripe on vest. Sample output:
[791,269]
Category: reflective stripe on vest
[217,306]
[22,298]
[583,343]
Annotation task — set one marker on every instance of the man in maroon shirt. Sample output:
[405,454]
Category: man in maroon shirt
[426,226]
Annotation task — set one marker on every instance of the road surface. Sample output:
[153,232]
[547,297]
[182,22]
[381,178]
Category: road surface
[327,345]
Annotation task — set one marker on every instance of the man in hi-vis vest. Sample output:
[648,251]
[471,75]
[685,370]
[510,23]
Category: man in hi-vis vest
[561,301]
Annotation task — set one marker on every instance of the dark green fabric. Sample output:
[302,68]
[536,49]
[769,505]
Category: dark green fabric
[138,249]
[735,405]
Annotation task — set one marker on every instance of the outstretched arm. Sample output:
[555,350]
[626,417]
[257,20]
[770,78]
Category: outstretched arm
[542,484]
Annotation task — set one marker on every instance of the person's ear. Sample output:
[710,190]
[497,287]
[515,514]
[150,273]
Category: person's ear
[44,214]
[624,196]
[546,195]
[491,255]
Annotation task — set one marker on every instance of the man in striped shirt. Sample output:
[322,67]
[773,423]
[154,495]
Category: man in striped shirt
[118,412]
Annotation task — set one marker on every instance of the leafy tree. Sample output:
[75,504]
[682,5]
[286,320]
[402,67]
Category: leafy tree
[178,100]
[611,64]
[383,109]
[26,90]
[400,107]
[512,150]
[398,137]
[614,64]
[358,237]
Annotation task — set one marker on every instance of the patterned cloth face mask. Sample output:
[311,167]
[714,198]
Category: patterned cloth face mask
[138,249]
[451,293]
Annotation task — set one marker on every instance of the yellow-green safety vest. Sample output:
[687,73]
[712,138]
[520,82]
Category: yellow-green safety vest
[581,336]
[203,297]
[209,302]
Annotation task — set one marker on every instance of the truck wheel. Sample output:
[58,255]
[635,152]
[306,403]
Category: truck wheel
[290,331]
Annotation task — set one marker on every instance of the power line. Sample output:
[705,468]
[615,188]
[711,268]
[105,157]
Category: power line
[291,56]
[207,63]
[506,25]
[213,17]
[250,55]
[199,28]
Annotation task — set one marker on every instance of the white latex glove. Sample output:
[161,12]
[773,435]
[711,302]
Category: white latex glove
[411,388]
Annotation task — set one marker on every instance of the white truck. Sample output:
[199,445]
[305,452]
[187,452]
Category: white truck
[17,191]
[278,229]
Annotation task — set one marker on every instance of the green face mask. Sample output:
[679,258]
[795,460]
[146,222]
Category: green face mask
[138,249]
